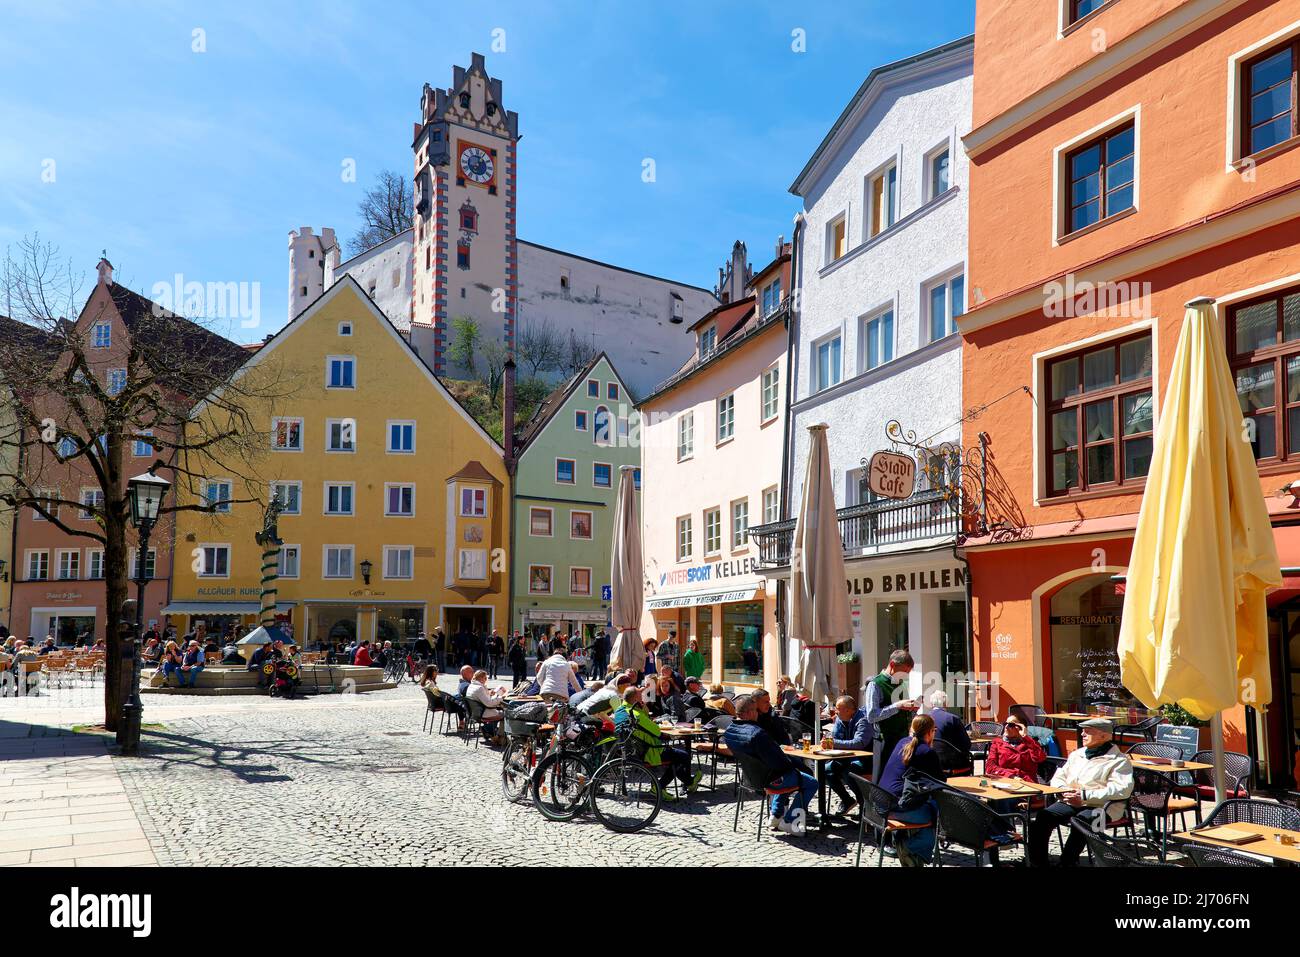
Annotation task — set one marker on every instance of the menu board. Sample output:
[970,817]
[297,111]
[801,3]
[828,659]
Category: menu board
[1186,739]
[1099,674]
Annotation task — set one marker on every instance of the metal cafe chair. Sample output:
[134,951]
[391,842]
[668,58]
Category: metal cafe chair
[753,779]
[1237,771]
[1153,798]
[874,807]
[1202,855]
[1106,851]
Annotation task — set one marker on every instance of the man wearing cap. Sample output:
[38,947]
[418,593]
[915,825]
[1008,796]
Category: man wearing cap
[1094,775]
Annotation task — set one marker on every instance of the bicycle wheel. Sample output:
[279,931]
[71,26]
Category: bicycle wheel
[516,768]
[560,785]
[625,796]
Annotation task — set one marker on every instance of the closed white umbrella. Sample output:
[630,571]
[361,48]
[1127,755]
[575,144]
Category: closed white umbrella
[819,600]
[626,576]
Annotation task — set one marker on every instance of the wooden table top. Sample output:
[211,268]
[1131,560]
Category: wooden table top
[1267,847]
[1140,762]
[672,731]
[816,754]
[971,786]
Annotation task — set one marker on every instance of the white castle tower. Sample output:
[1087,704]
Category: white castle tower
[310,258]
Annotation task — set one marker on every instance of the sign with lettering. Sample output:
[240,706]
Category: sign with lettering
[698,574]
[1183,737]
[895,583]
[892,475]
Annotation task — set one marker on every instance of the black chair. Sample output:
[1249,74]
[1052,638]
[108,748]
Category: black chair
[755,778]
[970,823]
[451,710]
[715,748]
[1202,855]
[1252,811]
[953,760]
[1145,729]
[434,702]
[1105,851]
[1049,766]
[1153,750]
[475,721]
[1153,798]
[979,750]
[875,804]
[1237,771]
[796,729]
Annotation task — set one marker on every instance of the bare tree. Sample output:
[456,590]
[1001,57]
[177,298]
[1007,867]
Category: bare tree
[578,354]
[494,355]
[386,209]
[81,391]
[541,347]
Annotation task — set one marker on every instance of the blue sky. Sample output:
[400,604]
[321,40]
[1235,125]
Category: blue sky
[200,163]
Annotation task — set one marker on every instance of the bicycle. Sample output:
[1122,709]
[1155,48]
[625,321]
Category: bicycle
[622,791]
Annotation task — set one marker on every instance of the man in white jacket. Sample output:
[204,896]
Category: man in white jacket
[1094,775]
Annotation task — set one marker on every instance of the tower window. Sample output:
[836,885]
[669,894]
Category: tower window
[462,255]
[464,101]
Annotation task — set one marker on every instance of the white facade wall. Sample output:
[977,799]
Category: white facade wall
[384,272]
[307,258]
[906,114]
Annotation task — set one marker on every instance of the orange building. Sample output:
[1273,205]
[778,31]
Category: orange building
[1125,158]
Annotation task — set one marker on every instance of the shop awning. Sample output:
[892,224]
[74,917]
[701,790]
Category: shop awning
[548,614]
[221,607]
[703,598]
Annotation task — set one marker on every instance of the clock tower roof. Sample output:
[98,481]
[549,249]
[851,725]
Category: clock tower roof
[473,101]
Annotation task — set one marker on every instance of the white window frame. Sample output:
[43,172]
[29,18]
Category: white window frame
[771,380]
[739,530]
[329,369]
[583,416]
[96,329]
[814,357]
[927,170]
[573,471]
[33,553]
[596,465]
[388,488]
[228,498]
[203,547]
[47,497]
[943,279]
[350,551]
[771,504]
[550,514]
[869,202]
[118,375]
[352,499]
[725,414]
[345,327]
[716,512]
[136,443]
[603,436]
[591,524]
[290,420]
[282,569]
[343,425]
[829,238]
[685,542]
[483,553]
[409,551]
[460,501]
[285,483]
[708,340]
[94,492]
[579,594]
[388,432]
[59,555]
[686,435]
[550,579]
[864,337]
[94,564]
[132,556]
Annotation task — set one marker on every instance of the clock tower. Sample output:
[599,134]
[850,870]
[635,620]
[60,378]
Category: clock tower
[466,261]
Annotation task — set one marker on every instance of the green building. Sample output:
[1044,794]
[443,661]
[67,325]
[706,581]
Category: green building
[565,485]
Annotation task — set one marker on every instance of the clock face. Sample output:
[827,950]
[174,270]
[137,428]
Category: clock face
[476,165]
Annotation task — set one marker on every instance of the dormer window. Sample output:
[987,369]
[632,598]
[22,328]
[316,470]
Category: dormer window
[708,340]
[678,307]
[464,101]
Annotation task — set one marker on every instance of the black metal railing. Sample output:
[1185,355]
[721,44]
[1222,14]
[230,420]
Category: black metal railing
[866,527]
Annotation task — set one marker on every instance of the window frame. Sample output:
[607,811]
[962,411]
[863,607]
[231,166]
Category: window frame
[75,553]
[838,223]
[1066,154]
[865,337]
[137,442]
[1244,117]
[329,436]
[476,494]
[685,545]
[352,499]
[870,205]
[716,512]
[351,551]
[217,548]
[286,483]
[289,420]
[94,562]
[112,374]
[932,191]
[105,326]
[591,524]
[151,559]
[724,413]
[389,487]
[686,431]
[229,497]
[770,380]
[1114,393]
[607,465]
[533,510]
[82,514]
[388,430]
[580,420]
[815,359]
[280,568]
[1275,355]
[573,593]
[550,579]
[409,551]
[329,372]
[775,492]
[30,554]
[946,280]
[737,526]
[573,470]
[1071,14]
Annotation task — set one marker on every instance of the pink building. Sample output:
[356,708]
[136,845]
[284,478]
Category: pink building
[711,444]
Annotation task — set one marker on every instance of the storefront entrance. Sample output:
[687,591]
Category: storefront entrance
[1280,749]
[1083,619]
[742,642]
[467,619]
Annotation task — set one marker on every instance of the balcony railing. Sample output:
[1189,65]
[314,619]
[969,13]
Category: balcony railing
[866,528]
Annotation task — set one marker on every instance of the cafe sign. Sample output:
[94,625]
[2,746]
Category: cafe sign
[892,475]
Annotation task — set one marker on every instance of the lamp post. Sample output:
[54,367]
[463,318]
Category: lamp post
[145,494]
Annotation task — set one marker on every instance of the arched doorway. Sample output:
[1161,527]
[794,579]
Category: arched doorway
[1083,635]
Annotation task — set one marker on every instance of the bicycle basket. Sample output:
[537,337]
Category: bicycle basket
[521,729]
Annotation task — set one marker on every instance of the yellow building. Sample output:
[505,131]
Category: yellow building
[395,501]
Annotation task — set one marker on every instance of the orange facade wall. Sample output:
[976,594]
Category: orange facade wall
[1181,94]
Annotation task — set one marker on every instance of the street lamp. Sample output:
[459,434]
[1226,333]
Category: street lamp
[365,570]
[145,493]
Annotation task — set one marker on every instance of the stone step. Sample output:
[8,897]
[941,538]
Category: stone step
[304,689]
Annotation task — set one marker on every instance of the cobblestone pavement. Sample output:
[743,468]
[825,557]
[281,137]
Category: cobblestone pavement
[336,782]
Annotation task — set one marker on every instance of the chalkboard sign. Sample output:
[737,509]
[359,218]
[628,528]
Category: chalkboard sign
[1099,674]
[1187,740]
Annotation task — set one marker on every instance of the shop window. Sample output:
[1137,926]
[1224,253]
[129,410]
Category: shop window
[1100,420]
[891,632]
[1084,619]
[1264,349]
[703,637]
[742,642]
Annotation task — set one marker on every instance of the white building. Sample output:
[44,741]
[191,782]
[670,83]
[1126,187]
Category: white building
[462,256]
[880,267]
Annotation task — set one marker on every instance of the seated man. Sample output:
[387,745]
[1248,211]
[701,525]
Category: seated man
[489,699]
[693,697]
[607,697]
[851,732]
[1015,754]
[1093,775]
[191,665]
[674,761]
[948,726]
[579,699]
[466,679]
[556,680]
[230,655]
[745,736]
[47,646]
[768,719]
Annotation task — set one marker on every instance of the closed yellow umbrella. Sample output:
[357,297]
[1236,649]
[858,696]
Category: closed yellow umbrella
[1195,625]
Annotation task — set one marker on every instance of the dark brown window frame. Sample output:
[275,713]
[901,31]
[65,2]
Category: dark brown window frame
[1247,94]
[1115,393]
[1277,354]
[1068,228]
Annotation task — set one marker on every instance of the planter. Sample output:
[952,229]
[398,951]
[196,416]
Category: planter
[848,678]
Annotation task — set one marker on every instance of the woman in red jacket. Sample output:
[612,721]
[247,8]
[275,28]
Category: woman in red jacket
[1015,754]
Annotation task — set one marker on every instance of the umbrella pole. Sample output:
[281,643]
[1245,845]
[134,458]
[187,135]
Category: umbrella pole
[1216,742]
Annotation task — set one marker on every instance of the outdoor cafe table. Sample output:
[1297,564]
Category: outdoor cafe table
[1164,767]
[819,759]
[1282,854]
[684,734]
[987,792]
